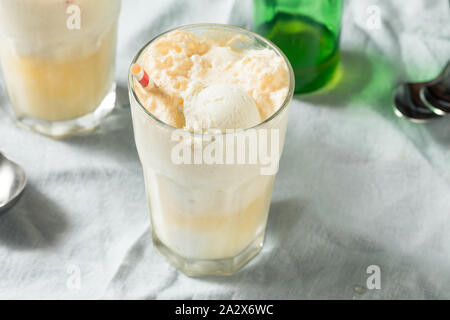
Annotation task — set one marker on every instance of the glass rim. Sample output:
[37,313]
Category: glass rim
[270,44]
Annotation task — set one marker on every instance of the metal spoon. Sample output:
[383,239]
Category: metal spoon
[12,183]
[436,94]
[423,101]
[407,103]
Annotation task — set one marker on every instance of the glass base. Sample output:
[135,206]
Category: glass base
[63,129]
[217,267]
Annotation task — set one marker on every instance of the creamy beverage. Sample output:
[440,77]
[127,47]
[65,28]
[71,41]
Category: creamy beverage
[207,79]
[57,58]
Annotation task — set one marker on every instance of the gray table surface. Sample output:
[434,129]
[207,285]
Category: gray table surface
[357,187]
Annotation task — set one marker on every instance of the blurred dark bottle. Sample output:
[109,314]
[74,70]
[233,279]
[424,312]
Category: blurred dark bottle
[308,32]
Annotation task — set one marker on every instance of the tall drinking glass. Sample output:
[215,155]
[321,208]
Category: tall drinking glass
[58,60]
[207,219]
[308,32]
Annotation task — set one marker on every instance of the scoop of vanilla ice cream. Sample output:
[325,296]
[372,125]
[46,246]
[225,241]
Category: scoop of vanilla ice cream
[219,106]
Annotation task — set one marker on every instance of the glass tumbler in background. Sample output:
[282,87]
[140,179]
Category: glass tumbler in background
[207,219]
[308,32]
[58,62]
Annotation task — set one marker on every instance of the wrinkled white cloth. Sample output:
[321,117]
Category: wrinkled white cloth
[356,187]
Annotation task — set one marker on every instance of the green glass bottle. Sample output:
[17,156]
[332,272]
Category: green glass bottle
[308,32]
